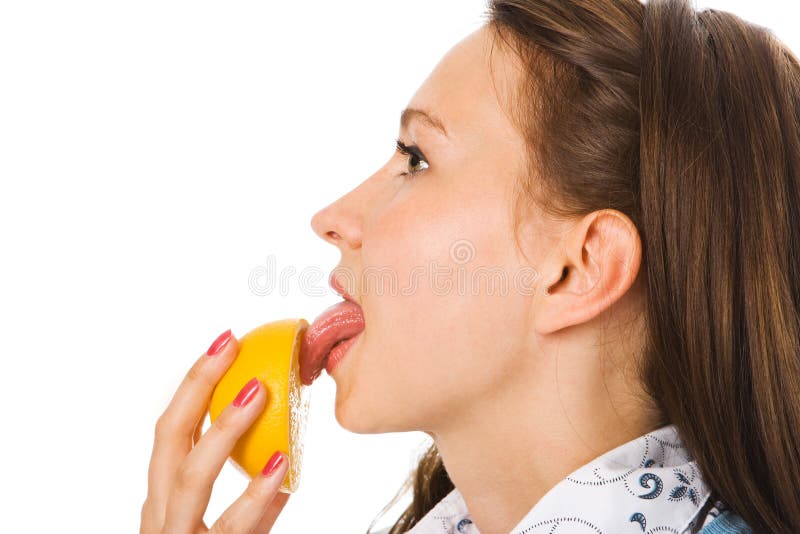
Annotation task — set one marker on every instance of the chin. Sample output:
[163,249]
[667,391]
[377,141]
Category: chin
[351,418]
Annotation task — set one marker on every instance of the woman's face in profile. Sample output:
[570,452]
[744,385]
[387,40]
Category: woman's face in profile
[431,256]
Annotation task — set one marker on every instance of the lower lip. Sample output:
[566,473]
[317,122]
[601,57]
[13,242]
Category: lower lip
[338,353]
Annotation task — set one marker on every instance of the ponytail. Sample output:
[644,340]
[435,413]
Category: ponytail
[720,205]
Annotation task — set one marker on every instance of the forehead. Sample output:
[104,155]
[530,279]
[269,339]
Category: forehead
[471,86]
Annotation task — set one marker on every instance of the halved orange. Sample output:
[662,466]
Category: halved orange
[271,354]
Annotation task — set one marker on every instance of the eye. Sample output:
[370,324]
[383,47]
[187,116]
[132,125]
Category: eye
[415,158]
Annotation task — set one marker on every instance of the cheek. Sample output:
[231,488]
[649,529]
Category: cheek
[441,320]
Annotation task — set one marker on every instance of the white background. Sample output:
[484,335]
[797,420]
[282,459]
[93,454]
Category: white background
[154,153]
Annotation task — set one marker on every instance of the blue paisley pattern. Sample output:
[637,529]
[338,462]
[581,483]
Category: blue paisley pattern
[644,481]
[649,485]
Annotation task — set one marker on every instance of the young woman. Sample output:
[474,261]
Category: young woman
[628,175]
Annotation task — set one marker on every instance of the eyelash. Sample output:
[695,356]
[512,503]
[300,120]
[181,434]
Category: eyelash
[411,150]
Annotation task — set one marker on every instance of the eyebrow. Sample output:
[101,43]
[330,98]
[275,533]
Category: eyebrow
[428,119]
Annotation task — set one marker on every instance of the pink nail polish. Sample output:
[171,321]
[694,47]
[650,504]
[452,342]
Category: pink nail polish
[273,464]
[219,343]
[247,393]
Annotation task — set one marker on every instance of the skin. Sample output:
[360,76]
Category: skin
[517,387]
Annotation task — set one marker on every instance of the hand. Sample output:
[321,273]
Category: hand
[184,465]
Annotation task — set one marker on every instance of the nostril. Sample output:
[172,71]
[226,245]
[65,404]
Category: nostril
[333,235]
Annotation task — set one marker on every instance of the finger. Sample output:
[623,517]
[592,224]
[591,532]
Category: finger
[191,399]
[175,428]
[260,500]
[198,431]
[271,514]
[194,480]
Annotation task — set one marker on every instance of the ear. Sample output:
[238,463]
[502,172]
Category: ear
[591,268]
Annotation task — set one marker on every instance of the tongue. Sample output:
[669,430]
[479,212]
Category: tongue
[337,323]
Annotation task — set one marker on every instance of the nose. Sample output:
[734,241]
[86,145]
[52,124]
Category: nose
[339,224]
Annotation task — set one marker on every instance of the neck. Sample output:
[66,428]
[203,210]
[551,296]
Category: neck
[504,456]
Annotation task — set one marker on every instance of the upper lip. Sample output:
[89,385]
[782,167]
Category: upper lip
[336,286]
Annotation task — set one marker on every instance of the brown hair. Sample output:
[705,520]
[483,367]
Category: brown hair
[689,123]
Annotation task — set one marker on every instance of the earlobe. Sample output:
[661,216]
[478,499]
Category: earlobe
[596,265]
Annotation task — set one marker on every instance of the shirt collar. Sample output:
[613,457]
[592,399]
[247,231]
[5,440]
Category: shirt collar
[649,484]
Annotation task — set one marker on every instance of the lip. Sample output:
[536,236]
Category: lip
[337,353]
[336,286]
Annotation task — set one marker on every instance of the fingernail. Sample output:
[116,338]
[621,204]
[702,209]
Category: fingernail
[273,464]
[247,393]
[219,343]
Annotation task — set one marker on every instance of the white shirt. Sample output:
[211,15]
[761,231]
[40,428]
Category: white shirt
[649,484]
